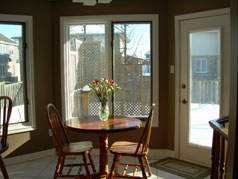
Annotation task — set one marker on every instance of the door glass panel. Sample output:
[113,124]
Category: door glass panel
[132,68]
[86,63]
[204,84]
[12,72]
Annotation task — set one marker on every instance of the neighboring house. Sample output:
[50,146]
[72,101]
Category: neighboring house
[9,60]
[18,40]
[146,64]
[100,37]
[206,67]
[205,56]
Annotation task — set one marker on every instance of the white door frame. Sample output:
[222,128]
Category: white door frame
[177,21]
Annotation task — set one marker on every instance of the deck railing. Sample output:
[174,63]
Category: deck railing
[220,139]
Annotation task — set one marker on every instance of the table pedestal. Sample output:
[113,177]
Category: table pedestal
[103,159]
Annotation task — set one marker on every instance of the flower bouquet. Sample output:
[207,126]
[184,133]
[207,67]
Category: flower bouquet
[104,89]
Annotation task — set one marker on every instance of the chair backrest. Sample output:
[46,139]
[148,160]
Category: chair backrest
[145,138]
[56,124]
[5,114]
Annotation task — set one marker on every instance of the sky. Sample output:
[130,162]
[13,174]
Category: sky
[11,30]
[139,35]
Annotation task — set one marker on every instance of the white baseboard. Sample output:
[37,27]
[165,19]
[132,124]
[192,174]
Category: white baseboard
[153,153]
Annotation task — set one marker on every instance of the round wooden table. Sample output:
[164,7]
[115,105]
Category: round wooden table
[94,125]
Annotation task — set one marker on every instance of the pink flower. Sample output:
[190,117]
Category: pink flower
[104,88]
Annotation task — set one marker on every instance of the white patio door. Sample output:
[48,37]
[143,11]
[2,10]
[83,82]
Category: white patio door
[204,83]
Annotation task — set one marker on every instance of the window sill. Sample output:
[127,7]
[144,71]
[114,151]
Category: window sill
[19,128]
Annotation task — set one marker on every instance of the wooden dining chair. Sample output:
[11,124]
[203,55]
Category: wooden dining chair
[65,148]
[5,113]
[132,149]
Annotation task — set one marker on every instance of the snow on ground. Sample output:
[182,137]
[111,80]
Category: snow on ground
[200,131]
[17,114]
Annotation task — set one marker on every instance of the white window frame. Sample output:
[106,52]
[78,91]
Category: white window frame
[31,123]
[201,61]
[2,49]
[107,20]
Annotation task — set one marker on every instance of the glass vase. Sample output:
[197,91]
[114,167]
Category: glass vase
[103,111]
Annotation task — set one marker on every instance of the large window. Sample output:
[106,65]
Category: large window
[16,70]
[120,47]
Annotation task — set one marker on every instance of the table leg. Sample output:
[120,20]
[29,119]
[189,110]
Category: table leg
[103,159]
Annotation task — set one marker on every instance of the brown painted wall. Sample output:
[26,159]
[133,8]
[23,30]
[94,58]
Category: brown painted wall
[42,40]
[46,28]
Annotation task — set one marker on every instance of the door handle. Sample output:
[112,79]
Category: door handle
[184,101]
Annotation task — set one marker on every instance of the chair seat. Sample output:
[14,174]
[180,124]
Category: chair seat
[126,148]
[77,147]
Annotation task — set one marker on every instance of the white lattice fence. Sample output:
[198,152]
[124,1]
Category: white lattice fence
[92,63]
[135,91]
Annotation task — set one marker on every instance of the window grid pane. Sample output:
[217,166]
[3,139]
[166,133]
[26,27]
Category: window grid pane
[86,63]
[12,69]
[131,52]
